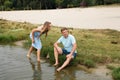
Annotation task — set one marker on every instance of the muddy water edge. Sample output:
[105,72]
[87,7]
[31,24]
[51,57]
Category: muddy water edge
[15,65]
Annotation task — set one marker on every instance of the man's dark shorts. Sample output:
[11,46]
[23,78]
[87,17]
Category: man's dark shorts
[66,52]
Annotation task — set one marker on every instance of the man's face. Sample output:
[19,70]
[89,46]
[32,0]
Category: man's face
[65,33]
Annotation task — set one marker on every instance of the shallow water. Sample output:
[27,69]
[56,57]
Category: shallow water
[14,65]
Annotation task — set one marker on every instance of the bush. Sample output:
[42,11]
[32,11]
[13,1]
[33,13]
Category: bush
[116,74]
[89,63]
[46,50]
[110,67]
[7,38]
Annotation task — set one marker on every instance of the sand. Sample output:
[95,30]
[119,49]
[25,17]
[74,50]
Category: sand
[84,18]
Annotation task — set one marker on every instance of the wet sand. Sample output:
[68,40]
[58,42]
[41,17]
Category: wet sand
[84,18]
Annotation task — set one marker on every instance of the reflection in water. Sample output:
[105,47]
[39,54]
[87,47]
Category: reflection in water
[66,74]
[36,70]
[15,66]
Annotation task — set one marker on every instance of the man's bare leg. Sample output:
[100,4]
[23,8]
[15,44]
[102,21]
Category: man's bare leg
[64,64]
[56,56]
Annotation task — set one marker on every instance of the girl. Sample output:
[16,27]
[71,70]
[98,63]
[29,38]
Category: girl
[35,37]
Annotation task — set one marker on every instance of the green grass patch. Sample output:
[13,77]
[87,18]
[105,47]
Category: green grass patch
[113,66]
[116,74]
[94,46]
[14,31]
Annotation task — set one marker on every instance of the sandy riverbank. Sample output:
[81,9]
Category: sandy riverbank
[84,18]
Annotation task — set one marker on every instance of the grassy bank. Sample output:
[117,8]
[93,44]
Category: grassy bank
[94,46]
[14,31]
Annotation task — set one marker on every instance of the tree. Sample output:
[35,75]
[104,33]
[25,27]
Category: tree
[50,4]
[7,4]
[59,3]
[1,5]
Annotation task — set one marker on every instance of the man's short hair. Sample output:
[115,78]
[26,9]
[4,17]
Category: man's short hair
[64,29]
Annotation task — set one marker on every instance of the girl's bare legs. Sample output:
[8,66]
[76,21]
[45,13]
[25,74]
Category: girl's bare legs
[38,55]
[29,52]
[64,64]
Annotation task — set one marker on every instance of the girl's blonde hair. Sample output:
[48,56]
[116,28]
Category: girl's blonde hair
[46,28]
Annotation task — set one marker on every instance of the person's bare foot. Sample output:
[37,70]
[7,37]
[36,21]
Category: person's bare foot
[38,60]
[28,55]
[59,69]
[56,64]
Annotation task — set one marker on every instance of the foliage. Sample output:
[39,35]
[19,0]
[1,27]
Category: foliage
[113,66]
[116,74]
[12,37]
[49,4]
[11,31]
[89,63]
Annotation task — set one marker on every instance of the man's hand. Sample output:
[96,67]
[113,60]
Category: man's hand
[69,56]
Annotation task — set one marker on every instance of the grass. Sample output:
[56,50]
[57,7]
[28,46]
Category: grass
[94,46]
[14,31]
[113,66]
[116,74]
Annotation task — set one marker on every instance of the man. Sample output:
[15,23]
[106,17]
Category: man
[69,49]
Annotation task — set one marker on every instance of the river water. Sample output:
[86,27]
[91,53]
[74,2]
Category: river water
[14,65]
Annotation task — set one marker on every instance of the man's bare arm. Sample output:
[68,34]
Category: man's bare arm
[74,48]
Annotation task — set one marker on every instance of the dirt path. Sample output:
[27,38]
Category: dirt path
[20,43]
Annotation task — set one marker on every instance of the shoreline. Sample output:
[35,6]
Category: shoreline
[100,70]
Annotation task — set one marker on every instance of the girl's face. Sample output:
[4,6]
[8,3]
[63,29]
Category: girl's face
[49,26]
